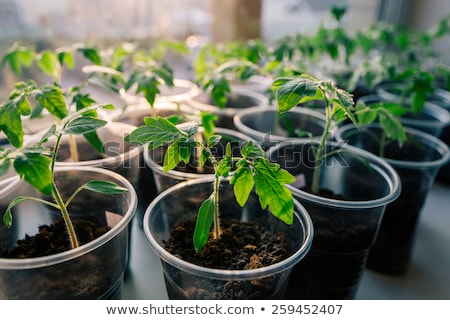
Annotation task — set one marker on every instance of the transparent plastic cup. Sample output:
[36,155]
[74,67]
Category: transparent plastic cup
[185,280]
[94,270]
[355,187]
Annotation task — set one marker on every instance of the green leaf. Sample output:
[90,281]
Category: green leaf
[208,123]
[175,119]
[185,148]
[7,216]
[204,156]
[338,11]
[418,101]
[82,101]
[52,99]
[17,57]
[147,84]
[179,150]
[172,156]
[91,54]
[10,119]
[156,132]
[393,128]
[224,167]
[105,187]
[250,150]
[95,141]
[365,114]
[165,73]
[50,132]
[270,186]
[5,164]
[37,149]
[66,58]
[49,63]
[213,140]
[83,125]
[228,150]
[35,169]
[392,107]
[203,223]
[190,128]
[293,91]
[220,90]
[243,183]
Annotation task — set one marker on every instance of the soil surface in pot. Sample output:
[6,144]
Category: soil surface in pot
[52,239]
[242,246]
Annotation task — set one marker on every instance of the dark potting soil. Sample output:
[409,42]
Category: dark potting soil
[52,239]
[242,246]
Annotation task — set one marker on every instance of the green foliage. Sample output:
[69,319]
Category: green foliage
[387,115]
[35,163]
[252,170]
[17,57]
[49,62]
[339,106]
[136,69]
[50,97]
[203,224]
[217,65]
[104,187]
[35,169]
[11,112]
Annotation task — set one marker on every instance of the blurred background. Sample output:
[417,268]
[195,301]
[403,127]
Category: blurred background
[58,22]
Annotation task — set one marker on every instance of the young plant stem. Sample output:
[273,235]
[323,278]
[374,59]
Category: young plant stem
[66,218]
[321,147]
[154,111]
[59,201]
[198,151]
[383,143]
[216,209]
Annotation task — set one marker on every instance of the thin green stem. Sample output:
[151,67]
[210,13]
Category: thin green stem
[68,201]
[20,199]
[65,215]
[216,209]
[58,198]
[198,151]
[321,147]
